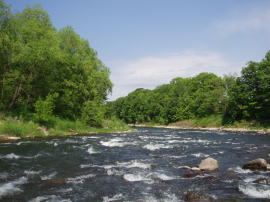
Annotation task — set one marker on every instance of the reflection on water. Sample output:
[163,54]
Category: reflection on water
[138,166]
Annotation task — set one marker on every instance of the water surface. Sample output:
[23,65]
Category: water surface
[137,166]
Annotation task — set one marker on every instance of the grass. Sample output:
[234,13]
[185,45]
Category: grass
[249,125]
[19,129]
[213,121]
[24,129]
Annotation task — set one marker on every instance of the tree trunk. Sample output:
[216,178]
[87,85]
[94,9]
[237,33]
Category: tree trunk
[16,95]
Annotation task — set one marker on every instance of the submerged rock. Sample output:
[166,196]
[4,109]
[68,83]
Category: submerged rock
[58,181]
[257,164]
[209,164]
[191,175]
[209,179]
[196,197]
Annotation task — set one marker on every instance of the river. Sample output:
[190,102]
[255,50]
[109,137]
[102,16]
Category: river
[136,166]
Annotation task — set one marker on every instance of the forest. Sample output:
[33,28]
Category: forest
[48,75]
[54,78]
[222,100]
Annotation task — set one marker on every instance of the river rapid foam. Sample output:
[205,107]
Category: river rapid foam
[138,166]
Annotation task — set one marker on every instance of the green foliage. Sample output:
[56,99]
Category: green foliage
[210,121]
[182,99]
[93,113]
[249,97]
[115,124]
[38,61]
[20,129]
[202,100]
[44,110]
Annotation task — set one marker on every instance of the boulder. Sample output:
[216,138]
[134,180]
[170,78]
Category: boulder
[208,164]
[261,181]
[257,164]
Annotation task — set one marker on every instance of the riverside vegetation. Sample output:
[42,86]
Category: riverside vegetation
[54,79]
[50,78]
[205,100]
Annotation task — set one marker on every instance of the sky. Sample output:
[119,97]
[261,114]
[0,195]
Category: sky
[146,43]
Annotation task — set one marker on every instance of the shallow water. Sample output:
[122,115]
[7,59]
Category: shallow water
[138,166]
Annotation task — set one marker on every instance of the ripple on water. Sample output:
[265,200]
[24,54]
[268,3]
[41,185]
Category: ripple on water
[14,156]
[153,147]
[147,177]
[12,187]
[116,142]
[116,197]
[255,190]
[50,198]
[200,155]
[79,179]
[48,177]
[91,150]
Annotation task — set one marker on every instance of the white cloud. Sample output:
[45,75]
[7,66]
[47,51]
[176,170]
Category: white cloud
[248,20]
[149,72]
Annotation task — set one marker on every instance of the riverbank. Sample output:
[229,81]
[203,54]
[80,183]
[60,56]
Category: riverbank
[227,129]
[14,130]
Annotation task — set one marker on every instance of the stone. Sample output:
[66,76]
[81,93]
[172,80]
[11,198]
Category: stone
[8,138]
[44,130]
[209,164]
[185,167]
[196,197]
[190,175]
[261,181]
[196,169]
[257,164]
[209,179]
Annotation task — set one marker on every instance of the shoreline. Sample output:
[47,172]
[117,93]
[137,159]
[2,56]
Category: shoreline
[239,130]
[7,138]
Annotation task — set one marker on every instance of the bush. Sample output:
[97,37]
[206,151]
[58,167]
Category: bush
[66,125]
[115,123]
[44,111]
[93,113]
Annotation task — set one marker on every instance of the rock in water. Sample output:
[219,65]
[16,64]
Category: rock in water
[257,164]
[261,181]
[209,164]
[196,197]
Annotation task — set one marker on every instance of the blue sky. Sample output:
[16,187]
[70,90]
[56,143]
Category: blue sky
[146,43]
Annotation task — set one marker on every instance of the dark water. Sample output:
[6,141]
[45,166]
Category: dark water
[139,166]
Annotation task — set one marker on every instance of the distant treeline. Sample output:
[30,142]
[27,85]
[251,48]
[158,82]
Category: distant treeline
[233,98]
[45,72]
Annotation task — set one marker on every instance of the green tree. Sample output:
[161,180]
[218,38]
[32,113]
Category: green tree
[249,97]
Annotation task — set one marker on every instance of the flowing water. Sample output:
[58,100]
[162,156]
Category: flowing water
[137,166]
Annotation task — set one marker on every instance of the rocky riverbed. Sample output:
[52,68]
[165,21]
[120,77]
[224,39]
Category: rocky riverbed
[144,165]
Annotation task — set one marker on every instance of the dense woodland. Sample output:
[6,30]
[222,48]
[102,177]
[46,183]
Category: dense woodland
[230,98]
[47,73]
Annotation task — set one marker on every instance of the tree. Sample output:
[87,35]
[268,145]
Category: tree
[249,97]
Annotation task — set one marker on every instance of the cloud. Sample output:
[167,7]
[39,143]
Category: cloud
[149,72]
[249,20]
